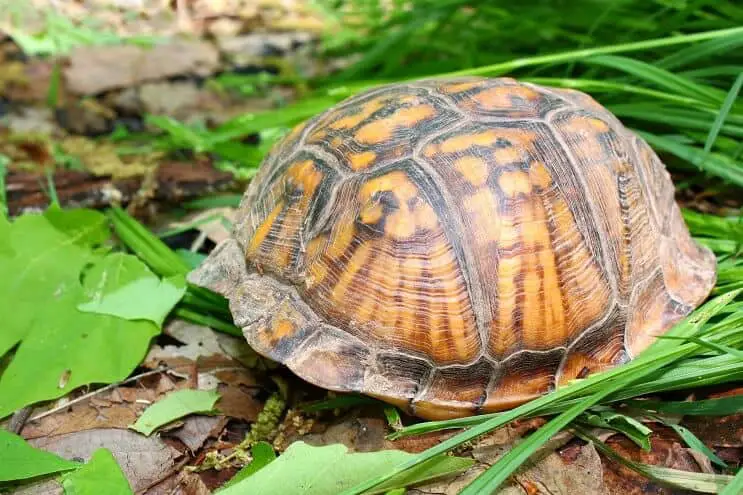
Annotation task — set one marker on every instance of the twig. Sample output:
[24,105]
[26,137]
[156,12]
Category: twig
[96,392]
[19,419]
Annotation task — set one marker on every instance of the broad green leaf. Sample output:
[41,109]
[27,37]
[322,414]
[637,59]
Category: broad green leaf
[262,454]
[174,406]
[5,246]
[86,227]
[140,296]
[19,461]
[307,470]
[59,347]
[101,474]
[4,161]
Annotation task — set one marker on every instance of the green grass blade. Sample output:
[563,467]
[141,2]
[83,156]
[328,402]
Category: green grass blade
[709,407]
[490,480]
[614,87]
[715,163]
[701,51]
[568,56]
[722,115]
[735,487]
[661,78]
[692,441]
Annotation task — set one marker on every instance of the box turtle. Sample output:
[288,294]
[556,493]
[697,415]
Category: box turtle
[458,246]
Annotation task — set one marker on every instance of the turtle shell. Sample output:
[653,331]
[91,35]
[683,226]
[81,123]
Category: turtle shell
[458,246]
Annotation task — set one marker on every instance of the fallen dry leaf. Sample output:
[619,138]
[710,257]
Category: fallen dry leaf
[117,408]
[719,431]
[238,403]
[666,451]
[184,483]
[213,223]
[547,471]
[357,433]
[144,460]
[197,429]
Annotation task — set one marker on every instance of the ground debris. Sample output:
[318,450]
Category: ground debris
[145,461]
[93,70]
[666,451]
[174,181]
[723,433]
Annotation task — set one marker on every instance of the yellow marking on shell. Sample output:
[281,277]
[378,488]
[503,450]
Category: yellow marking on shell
[366,111]
[584,277]
[425,217]
[316,269]
[408,270]
[400,224]
[351,268]
[451,308]
[509,234]
[387,278]
[508,270]
[281,328]
[580,124]
[458,328]
[317,136]
[371,213]
[365,309]
[462,142]
[315,247]
[539,175]
[515,388]
[381,130]
[396,181]
[483,206]
[264,229]
[534,225]
[511,154]
[360,161]
[519,138]
[306,174]
[554,312]
[583,136]
[461,87]
[500,97]
[563,217]
[514,182]
[534,335]
[473,168]
[336,142]
[282,256]
[342,238]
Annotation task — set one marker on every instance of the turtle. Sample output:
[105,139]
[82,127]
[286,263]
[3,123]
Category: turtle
[456,246]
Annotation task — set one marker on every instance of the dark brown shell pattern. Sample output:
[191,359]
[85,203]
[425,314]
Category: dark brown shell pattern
[458,246]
